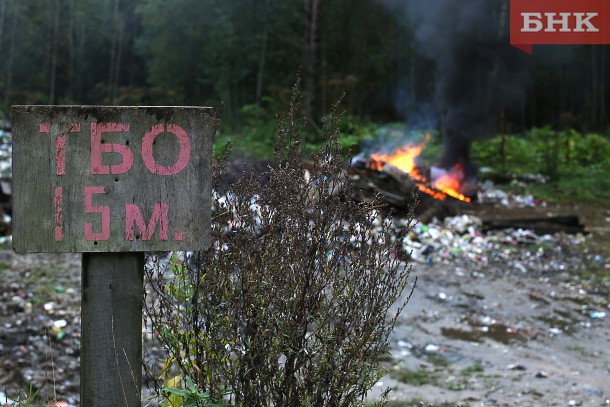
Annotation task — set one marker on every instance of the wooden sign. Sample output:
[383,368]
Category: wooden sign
[111,179]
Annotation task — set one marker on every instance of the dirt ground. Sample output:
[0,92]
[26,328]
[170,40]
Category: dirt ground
[474,334]
[500,339]
[501,335]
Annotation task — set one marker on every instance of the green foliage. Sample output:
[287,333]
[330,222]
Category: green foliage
[577,164]
[245,52]
[253,136]
[544,150]
[591,150]
[353,132]
[189,397]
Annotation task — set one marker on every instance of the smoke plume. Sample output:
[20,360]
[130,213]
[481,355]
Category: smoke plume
[478,73]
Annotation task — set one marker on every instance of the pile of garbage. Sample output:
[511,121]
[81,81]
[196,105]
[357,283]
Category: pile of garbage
[463,240]
[489,193]
[460,240]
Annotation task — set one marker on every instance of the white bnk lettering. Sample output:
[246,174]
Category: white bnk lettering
[563,21]
[580,22]
[532,22]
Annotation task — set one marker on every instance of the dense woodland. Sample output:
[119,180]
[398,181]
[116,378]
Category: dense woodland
[246,54]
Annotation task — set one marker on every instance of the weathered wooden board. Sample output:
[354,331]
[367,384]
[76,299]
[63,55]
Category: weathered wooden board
[111,179]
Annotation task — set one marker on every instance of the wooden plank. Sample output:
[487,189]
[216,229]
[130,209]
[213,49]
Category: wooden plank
[541,225]
[111,179]
[111,338]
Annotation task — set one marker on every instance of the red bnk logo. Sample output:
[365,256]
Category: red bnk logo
[559,22]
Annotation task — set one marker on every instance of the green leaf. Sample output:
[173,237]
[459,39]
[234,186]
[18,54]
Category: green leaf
[191,385]
[179,392]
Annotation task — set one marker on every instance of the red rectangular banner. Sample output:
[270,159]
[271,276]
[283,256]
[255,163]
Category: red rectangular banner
[559,22]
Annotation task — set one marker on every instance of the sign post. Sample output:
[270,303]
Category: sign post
[111,321]
[111,183]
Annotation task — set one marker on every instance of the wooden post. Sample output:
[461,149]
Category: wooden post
[111,338]
[112,182]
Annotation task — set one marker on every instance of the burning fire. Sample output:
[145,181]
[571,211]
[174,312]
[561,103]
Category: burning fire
[403,158]
[448,183]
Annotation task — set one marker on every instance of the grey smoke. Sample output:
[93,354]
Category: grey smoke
[478,73]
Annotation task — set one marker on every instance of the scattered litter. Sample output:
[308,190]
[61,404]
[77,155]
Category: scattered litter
[61,323]
[597,314]
[431,348]
[516,366]
[4,401]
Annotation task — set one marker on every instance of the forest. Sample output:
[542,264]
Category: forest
[396,61]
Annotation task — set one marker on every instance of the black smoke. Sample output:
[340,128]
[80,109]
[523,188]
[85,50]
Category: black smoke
[478,73]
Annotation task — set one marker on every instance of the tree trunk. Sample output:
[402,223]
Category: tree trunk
[80,40]
[312,15]
[71,52]
[2,14]
[117,62]
[114,51]
[603,118]
[263,56]
[11,58]
[55,45]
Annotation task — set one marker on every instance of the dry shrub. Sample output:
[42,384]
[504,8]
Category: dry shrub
[289,307]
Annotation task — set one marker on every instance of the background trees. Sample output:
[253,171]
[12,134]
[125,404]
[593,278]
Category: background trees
[245,53]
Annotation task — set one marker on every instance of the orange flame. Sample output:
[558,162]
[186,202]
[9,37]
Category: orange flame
[404,159]
[450,183]
[434,194]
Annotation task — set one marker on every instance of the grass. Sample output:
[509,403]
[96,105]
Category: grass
[418,377]
[438,360]
[419,402]
[44,281]
[21,397]
[578,186]
[582,350]
[472,369]
[435,377]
